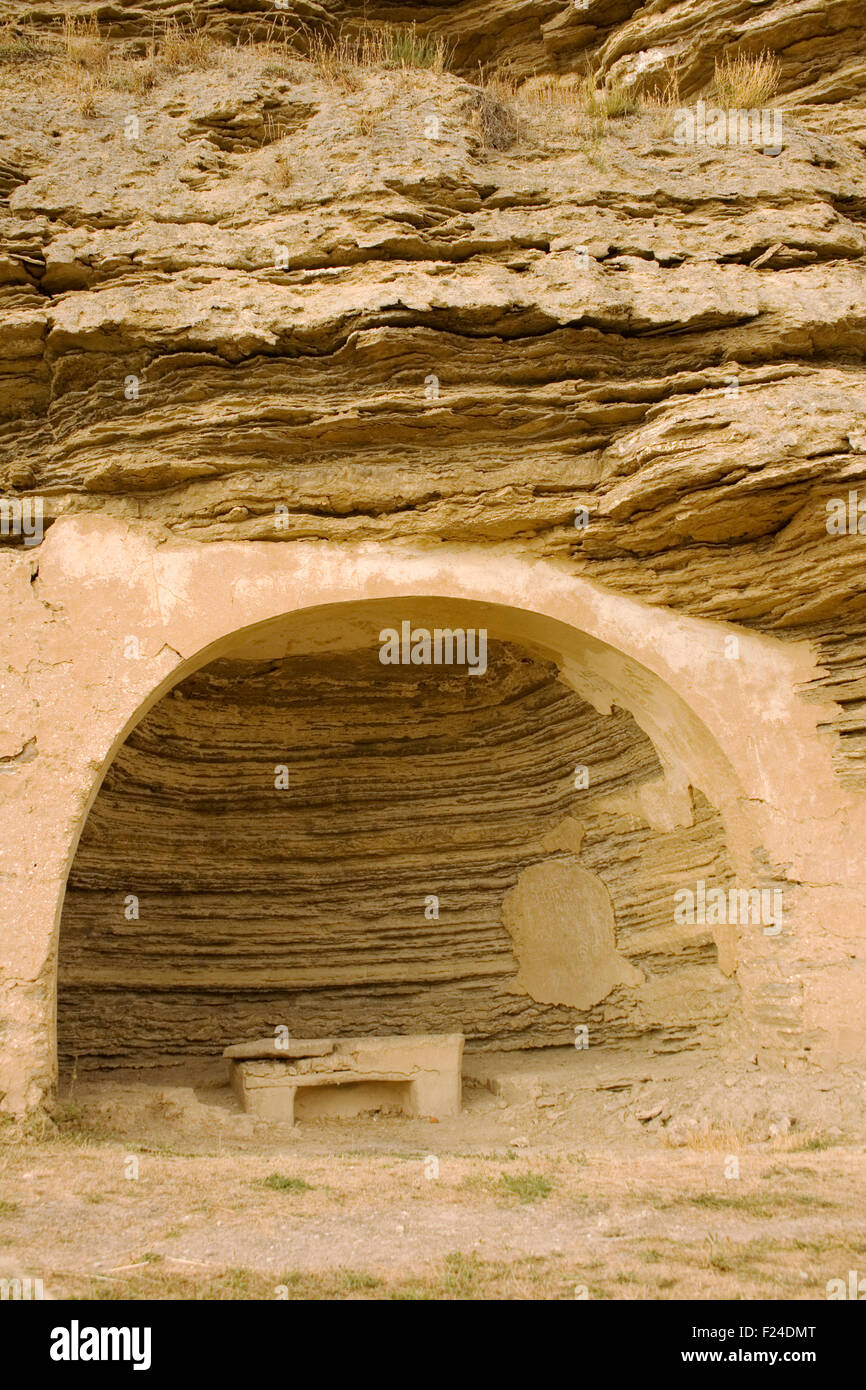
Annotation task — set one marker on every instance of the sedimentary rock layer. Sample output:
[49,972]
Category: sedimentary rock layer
[284,308]
[308,906]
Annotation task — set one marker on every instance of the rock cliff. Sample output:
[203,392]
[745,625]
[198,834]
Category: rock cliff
[253,290]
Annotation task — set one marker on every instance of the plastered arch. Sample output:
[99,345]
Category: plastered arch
[116,617]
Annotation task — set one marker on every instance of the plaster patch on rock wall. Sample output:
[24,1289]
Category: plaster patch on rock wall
[561,921]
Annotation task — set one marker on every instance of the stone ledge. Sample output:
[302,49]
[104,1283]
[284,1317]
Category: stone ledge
[416,1074]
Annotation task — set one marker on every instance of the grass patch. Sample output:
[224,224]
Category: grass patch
[459,1277]
[19,46]
[814,1143]
[462,1274]
[549,93]
[747,80]
[727,1257]
[278,1182]
[76,1124]
[479,1182]
[170,1151]
[712,1137]
[611,102]
[338,1283]
[180,49]
[783,1173]
[340,59]
[161,1281]
[174,48]
[468,1277]
[755,1203]
[827,1244]
[587,102]
[83,51]
[603,99]
[403,47]
[352,1281]
[529,1187]
[87,101]
[84,45]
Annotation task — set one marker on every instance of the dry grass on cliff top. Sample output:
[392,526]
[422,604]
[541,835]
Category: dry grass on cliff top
[340,59]
[80,48]
[85,61]
[747,82]
[82,58]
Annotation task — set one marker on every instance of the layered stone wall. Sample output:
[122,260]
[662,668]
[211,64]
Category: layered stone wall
[276,341]
[309,904]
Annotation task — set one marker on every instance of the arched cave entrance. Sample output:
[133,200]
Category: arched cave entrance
[300,835]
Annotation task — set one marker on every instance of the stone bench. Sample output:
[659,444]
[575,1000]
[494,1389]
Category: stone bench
[307,1078]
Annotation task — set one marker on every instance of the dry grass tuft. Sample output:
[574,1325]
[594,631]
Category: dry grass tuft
[366,125]
[569,93]
[665,90]
[134,77]
[180,49]
[340,59]
[284,173]
[713,1138]
[611,101]
[84,50]
[84,46]
[553,101]
[403,47]
[87,100]
[19,46]
[491,111]
[563,100]
[747,81]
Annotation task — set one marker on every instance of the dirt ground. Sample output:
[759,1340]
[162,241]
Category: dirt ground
[566,1176]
